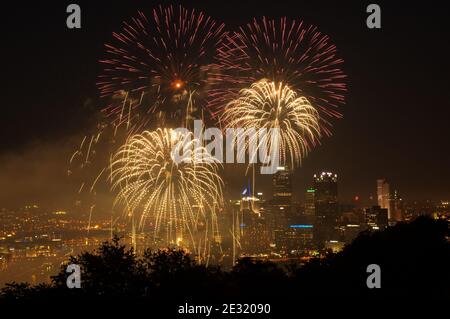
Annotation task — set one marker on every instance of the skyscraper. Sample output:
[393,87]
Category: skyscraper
[376,218]
[396,207]
[310,207]
[282,186]
[280,209]
[383,195]
[282,196]
[250,227]
[326,207]
[298,239]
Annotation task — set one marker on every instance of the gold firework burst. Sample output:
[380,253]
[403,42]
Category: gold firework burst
[270,105]
[173,197]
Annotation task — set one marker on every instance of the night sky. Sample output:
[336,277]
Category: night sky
[396,119]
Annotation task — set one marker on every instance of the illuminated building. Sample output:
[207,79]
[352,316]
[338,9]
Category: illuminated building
[310,206]
[334,245]
[298,239]
[443,210]
[326,207]
[396,207]
[282,188]
[383,195]
[262,205]
[443,205]
[280,209]
[376,218]
[253,231]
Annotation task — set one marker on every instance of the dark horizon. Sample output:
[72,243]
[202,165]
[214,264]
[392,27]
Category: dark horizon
[395,123]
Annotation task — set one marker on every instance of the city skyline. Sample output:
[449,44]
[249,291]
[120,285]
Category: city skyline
[274,226]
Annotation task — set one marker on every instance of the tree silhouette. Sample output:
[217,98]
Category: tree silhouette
[414,259]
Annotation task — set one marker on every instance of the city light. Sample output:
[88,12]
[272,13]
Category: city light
[301,226]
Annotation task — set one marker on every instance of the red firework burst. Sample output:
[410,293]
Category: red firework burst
[281,50]
[155,62]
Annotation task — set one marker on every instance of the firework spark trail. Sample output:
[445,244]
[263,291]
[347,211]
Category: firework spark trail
[90,162]
[89,150]
[163,192]
[81,188]
[73,156]
[158,59]
[82,142]
[283,50]
[96,180]
[90,218]
[268,105]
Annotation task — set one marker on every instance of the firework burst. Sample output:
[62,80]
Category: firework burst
[287,51]
[159,64]
[173,198]
[268,105]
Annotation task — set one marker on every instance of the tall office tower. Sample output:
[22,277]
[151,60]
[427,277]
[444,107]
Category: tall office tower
[254,236]
[282,186]
[262,204]
[279,210]
[326,207]
[310,206]
[376,218]
[396,207]
[383,195]
[282,196]
[297,239]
